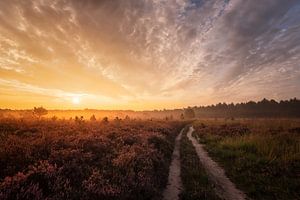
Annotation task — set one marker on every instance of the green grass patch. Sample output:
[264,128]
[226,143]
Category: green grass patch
[264,162]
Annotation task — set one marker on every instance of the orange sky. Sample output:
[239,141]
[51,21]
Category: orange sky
[146,54]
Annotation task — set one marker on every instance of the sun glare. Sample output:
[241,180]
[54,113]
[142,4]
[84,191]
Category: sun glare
[76,100]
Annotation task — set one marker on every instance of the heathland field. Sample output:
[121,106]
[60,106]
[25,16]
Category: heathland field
[131,159]
[85,160]
[262,157]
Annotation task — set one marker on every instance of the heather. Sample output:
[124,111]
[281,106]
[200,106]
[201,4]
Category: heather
[67,159]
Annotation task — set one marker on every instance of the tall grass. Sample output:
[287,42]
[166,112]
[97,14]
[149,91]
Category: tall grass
[284,147]
[262,156]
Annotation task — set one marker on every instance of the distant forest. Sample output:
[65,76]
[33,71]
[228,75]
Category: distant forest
[264,108]
[261,109]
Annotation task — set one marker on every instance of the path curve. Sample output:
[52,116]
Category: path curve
[174,186]
[225,189]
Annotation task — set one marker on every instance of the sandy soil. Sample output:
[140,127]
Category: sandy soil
[174,186]
[225,189]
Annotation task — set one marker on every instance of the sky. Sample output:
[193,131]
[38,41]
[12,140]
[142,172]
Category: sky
[147,54]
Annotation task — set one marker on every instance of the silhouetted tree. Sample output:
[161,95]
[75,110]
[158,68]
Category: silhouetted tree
[39,111]
[127,118]
[54,118]
[117,119]
[79,120]
[263,108]
[105,120]
[93,118]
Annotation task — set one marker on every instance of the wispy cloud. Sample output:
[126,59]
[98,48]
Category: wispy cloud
[194,52]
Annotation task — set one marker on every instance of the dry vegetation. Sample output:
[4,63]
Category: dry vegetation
[64,159]
[51,158]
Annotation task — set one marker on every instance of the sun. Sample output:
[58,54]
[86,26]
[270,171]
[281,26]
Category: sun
[76,100]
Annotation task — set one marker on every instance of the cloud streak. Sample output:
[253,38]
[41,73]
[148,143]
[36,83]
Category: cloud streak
[191,52]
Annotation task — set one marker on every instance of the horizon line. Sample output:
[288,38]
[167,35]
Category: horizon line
[148,110]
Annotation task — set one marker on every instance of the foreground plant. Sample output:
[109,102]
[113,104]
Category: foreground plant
[89,160]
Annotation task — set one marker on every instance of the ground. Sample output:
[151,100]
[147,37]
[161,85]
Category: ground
[145,159]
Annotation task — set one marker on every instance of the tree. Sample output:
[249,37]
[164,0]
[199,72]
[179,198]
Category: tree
[39,111]
[127,118]
[93,118]
[79,120]
[105,120]
[54,118]
[263,108]
[189,113]
[117,119]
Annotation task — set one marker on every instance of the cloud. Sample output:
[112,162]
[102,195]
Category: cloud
[196,52]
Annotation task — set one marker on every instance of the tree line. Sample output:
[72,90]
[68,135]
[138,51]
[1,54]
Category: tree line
[263,108]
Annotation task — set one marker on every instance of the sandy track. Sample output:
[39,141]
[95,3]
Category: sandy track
[225,189]
[174,186]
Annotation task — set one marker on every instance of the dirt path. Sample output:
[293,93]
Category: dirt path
[174,186]
[225,189]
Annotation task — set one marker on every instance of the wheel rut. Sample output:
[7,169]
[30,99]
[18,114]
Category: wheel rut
[174,186]
[224,188]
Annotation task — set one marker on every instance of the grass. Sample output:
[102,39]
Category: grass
[263,159]
[196,184]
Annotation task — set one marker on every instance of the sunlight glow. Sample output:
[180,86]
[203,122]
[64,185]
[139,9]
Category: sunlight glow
[76,100]
[152,56]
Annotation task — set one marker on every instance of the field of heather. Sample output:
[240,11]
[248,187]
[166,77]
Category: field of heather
[149,100]
[130,159]
[59,159]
